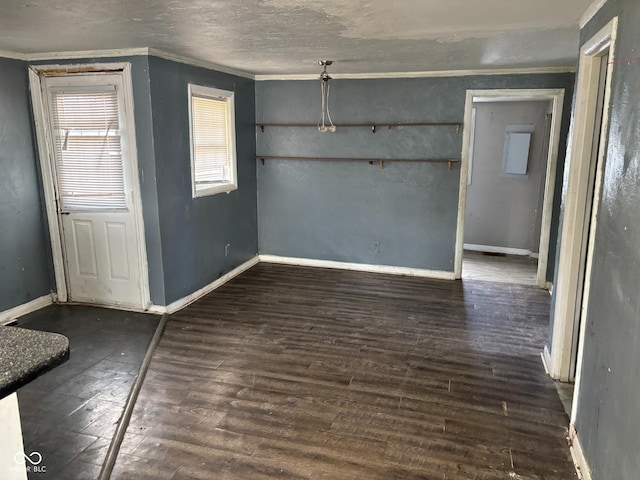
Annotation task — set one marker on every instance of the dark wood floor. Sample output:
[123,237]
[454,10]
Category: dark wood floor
[69,414]
[298,373]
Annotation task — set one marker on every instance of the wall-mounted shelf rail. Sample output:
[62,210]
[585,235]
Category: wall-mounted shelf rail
[372,125]
[370,161]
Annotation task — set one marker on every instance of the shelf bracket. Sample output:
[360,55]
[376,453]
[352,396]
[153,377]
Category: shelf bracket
[457,130]
[381,164]
[262,162]
[449,164]
[373,128]
[262,128]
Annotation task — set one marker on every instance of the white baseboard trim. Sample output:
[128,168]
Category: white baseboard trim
[157,309]
[124,308]
[15,312]
[10,315]
[579,460]
[359,267]
[546,359]
[173,307]
[183,302]
[492,249]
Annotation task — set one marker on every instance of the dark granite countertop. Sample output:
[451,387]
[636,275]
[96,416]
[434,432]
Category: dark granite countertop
[27,354]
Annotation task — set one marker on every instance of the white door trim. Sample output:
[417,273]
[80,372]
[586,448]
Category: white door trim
[53,220]
[135,180]
[36,72]
[557,97]
[574,201]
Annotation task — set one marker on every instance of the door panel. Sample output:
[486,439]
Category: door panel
[116,234]
[85,248]
[93,175]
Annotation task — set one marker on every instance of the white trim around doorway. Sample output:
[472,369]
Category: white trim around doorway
[36,73]
[574,204]
[556,96]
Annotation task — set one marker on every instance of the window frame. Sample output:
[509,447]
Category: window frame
[228,97]
[86,84]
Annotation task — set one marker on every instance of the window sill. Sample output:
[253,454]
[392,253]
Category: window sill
[214,190]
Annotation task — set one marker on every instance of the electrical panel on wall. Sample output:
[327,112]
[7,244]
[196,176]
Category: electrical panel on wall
[517,146]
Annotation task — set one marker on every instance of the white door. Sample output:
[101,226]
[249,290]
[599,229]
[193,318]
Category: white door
[93,173]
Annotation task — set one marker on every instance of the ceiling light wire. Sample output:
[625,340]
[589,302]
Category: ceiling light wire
[325,89]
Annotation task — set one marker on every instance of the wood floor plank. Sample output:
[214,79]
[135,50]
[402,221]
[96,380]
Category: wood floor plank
[301,373]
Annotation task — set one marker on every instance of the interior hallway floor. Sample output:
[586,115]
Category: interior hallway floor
[69,414]
[498,268]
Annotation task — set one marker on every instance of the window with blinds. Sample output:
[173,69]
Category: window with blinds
[88,148]
[213,155]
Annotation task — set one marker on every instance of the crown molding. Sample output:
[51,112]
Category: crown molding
[200,63]
[127,52]
[120,52]
[423,74]
[590,12]
[124,52]
[12,55]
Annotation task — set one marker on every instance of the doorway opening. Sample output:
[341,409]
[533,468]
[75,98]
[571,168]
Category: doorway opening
[508,153]
[489,110]
[86,139]
[563,356]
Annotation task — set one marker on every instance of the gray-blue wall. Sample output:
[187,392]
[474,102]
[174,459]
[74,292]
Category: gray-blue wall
[402,215]
[195,231]
[146,163]
[607,420]
[25,262]
[147,176]
[185,237]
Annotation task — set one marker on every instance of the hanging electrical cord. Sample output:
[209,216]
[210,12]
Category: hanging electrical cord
[325,89]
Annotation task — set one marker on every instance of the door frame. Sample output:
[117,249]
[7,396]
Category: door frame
[556,96]
[565,314]
[36,73]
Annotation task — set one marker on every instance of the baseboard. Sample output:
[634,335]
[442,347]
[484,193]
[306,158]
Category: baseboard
[157,309]
[491,249]
[579,460]
[10,315]
[546,359]
[183,302]
[359,267]
[15,312]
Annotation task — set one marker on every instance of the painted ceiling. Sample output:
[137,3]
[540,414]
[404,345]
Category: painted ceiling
[285,37]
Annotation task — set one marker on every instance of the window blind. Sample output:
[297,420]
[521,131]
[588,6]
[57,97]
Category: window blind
[88,146]
[210,136]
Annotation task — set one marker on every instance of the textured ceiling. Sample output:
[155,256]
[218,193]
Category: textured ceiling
[279,37]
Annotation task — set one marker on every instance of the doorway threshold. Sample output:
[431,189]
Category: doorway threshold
[565,392]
